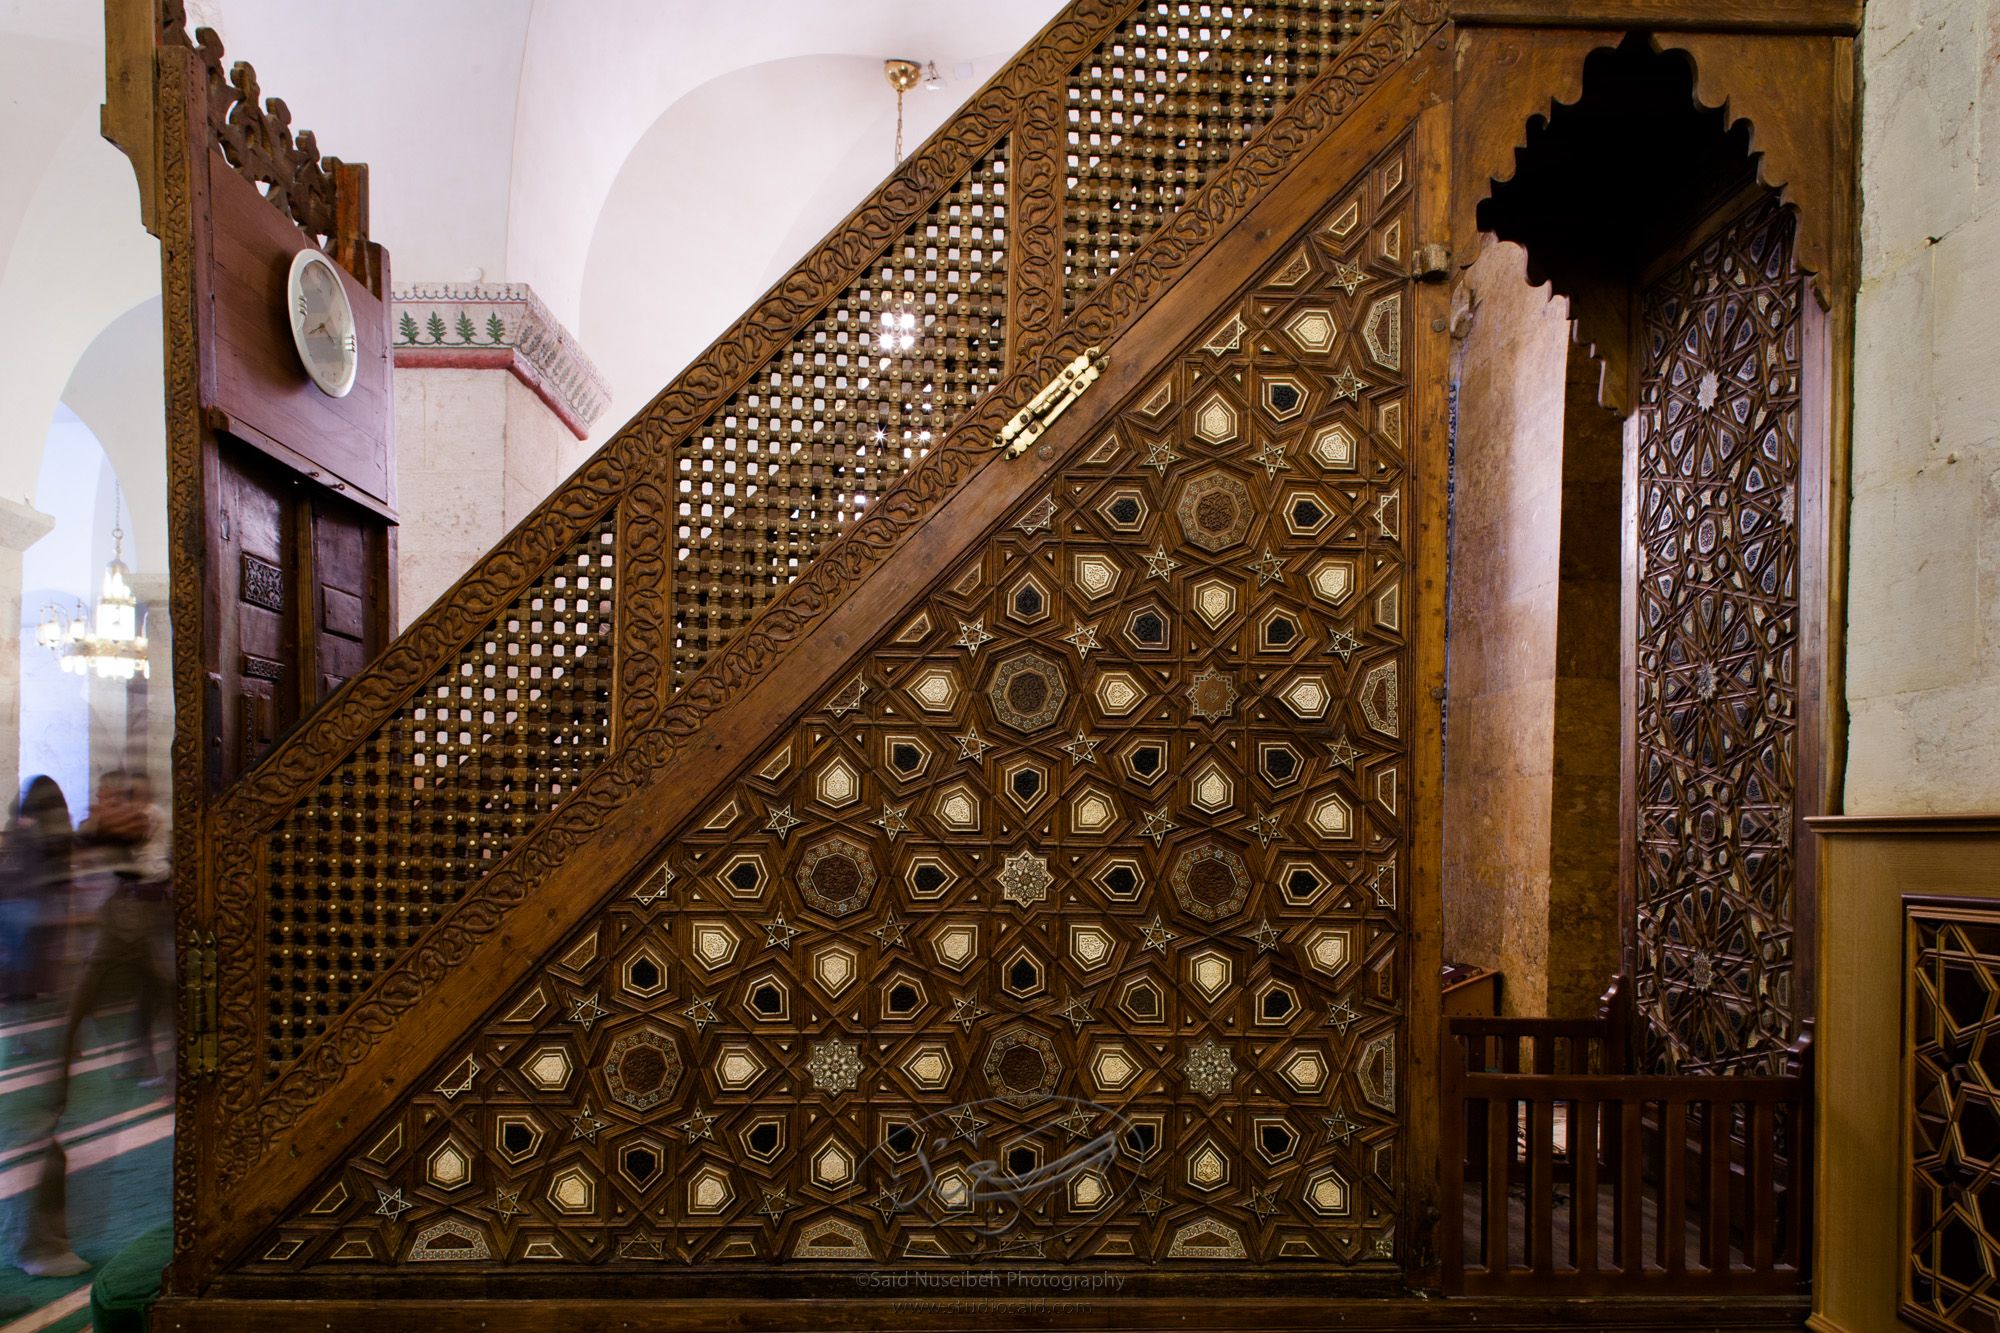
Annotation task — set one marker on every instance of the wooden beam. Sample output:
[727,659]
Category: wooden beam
[1840,18]
[126,118]
[824,1314]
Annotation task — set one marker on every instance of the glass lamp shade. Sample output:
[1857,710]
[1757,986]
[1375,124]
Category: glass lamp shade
[117,610]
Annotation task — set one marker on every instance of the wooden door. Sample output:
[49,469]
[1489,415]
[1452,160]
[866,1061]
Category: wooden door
[349,577]
[256,600]
[1721,769]
[294,566]
[1076,920]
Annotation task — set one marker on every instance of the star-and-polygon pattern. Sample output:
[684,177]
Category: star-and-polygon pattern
[1071,924]
[1952,999]
[1717,650]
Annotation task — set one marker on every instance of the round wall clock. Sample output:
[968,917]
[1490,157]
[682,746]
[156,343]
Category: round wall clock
[322,323]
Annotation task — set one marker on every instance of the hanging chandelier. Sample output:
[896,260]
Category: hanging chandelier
[898,324]
[107,643]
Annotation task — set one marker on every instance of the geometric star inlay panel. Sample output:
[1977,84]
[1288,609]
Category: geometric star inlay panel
[1718,645]
[1069,925]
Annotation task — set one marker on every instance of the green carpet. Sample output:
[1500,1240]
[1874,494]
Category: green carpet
[112,1201]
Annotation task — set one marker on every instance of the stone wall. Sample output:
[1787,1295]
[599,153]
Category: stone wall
[475,452]
[1584,943]
[1501,672]
[1531,762]
[1923,655]
[494,402]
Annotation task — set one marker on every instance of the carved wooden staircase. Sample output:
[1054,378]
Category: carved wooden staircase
[550,768]
[815,843]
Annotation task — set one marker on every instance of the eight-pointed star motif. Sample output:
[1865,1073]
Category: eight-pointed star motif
[1025,878]
[1209,1068]
[1212,695]
[835,1065]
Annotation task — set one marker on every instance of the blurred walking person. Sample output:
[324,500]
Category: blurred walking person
[34,883]
[131,950]
[35,862]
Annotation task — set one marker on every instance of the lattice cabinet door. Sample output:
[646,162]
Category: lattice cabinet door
[1075,926]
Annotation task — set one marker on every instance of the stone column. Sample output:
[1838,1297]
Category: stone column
[494,401]
[21,526]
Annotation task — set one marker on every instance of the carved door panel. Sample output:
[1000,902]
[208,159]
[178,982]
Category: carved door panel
[1717,649]
[256,573]
[348,588]
[1073,926]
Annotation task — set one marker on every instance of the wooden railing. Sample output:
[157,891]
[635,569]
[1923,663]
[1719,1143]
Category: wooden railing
[1566,1176]
[1549,1045]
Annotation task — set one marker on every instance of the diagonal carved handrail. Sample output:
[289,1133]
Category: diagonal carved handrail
[642,452]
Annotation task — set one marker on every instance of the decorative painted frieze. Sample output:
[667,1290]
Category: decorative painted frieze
[499,326]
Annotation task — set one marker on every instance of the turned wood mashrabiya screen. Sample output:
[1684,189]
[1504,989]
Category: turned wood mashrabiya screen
[1072,924]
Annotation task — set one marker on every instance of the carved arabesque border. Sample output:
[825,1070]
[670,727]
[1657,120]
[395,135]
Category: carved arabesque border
[258,1121]
[186,543]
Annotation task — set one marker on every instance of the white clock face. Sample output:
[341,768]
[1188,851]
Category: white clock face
[322,323]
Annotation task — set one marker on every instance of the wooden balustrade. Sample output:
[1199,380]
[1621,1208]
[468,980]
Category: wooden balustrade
[1565,1176]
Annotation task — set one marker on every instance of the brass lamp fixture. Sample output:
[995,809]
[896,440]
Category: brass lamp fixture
[903,75]
[109,642]
[898,325]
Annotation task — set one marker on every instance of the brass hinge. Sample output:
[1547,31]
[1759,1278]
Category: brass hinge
[1042,410]
[1431,263]
[201,1002]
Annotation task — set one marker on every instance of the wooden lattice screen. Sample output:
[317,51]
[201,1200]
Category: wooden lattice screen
[433,798]
[1152,112]
[1157,109]
[837,416]
[1951,1113]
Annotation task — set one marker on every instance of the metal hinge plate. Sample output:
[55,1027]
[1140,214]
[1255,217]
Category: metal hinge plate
[1028,424]
[202,1005]
[1431,263]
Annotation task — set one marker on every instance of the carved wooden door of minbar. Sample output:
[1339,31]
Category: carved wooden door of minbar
[1074,926]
